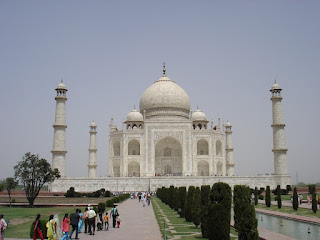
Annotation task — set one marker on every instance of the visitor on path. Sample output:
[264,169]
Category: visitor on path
[114,213]
[3,226]
[91,220]
[65,227]
[80,224]
[106,222]
[74,220]
[37,228]
[58,226]
[51,225]
[85,217]
[149,200]
[308,199]
[99,222]
[118,221]
[139,197]
[144,201]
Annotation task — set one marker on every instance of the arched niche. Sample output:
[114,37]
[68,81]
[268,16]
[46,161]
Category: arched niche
[134,169]
[116,148]
[134,147]
[219,168]
[203,168]
[219,148]
[202,147]
[116,169]
[168,157]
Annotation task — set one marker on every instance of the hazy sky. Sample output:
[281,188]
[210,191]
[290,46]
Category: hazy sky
[224,54]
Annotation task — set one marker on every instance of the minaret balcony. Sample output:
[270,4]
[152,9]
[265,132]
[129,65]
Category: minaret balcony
[278,125]
[280,150]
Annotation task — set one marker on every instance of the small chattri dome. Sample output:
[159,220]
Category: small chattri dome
[93,124]
[228,124]
[198,115]
[275,86]
[62,86]
[134,116]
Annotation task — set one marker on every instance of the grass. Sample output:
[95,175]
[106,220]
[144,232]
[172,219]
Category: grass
[289,210]
[22,218]
[179,225]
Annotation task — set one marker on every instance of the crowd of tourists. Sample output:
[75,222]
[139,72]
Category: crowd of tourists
[88,221]
[143,197]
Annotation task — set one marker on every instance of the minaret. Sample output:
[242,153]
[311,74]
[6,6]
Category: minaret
[59,140]
[229,150]
[92,166]
[279,144]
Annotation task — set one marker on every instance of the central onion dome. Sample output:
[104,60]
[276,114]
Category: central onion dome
[165,98]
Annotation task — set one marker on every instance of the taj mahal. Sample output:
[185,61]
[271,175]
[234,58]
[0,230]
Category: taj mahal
[165,143]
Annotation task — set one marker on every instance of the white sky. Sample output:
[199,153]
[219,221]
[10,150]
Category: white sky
[224,54]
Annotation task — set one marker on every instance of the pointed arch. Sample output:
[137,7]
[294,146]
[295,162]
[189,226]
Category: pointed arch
[202,147]
[116,148]
[134,147]
[218,148]
[203,168]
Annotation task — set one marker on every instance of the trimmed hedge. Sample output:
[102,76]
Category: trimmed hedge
[109,203]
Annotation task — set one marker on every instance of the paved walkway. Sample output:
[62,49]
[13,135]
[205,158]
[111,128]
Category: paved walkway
[137,223]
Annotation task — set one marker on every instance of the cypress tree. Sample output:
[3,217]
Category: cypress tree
[268,197]
[171,196]
[220,212]
[188,211]
[196,218]
[244,214]
[255,196]
[295,199]
[279,196]
[314,202]
[205,194]
[175,198]
[182,200]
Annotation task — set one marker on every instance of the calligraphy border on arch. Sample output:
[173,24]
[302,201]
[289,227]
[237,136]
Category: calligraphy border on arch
[175,134]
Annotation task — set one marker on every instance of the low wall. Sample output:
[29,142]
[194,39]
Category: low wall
[127,184]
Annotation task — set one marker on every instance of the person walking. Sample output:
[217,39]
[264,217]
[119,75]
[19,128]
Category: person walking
[114,213]
[118,221]
[65,227]
[74,220]
[37,228]
[106,222]
[51,225]
[85,218]
[3,226]
[80,224]
[91,220]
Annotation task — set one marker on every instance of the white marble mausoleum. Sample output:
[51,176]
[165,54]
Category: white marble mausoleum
[165,143]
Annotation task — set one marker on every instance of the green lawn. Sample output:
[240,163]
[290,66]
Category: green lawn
[179,226]
[300,211]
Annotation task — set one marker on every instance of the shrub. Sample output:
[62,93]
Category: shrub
[261,197]
[295,199]
[244,213]
[256,193]
[101,206]
[314,202]
[107,194]
[262,189]
[220,212]
[196,217]
[205,194]
[43,229]
[70,193]
[289,188]
[189,207]
[268,197]
[279,197]
[109,203]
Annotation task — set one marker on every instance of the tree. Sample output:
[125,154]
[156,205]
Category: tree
[205,201]
[182,200]
[33,174]
[314,202]
[312,188]
[189,207]
[295,199]
[220,212]
[244,214]
[176,199]
[256,193]
[10,184]
[196,217]
[268,197]
[279,196]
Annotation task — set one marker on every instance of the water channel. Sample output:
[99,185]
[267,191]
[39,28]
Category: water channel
[291,228]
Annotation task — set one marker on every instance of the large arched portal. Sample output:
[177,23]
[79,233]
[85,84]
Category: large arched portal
[134,169]
[168,157]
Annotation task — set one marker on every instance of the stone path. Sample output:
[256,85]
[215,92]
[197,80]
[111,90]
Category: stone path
[137,223]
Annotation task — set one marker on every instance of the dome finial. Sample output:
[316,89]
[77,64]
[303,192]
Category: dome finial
[134,107]
[164,69]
